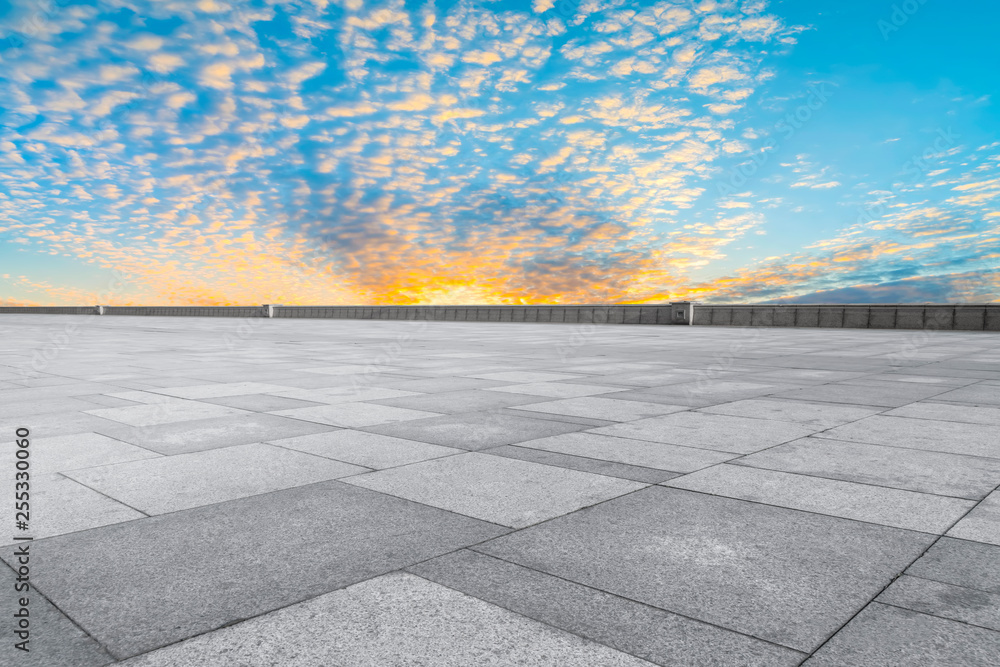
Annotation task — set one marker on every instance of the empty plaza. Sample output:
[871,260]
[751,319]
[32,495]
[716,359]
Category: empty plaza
[224,491]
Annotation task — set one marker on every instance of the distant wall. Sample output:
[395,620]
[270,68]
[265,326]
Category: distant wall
[964,317]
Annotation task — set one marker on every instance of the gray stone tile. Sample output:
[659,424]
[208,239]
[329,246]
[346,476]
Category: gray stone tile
[55,424]
[60,505]
[196,436]
[417,622]
[820,415]
[140,585]
[261,402]
[925,434]
[527,376]
[915,470]
[950,412]
[370,450]
[177,410]
[861,502]
[353,415]
[172,483]
[501,490]
[551,416]
[345,394]
[454,402]
[557,389]
[892,395]
[781,575]
[982,524]
[476,430]
[631,452]
[217,390]
[69,452]
[607,409]
[983,395]
[962,563]
[639,378]
[596,466]
[17,408]
[653,634]
[54,640]
[945,600]
[886,636]
[105,400]
[440,384]
[740,435]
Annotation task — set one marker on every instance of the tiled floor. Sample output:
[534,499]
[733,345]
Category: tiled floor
[353,493]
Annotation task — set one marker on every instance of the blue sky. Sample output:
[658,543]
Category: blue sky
[205,152]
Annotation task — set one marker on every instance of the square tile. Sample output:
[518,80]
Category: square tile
[602,408]
[556,389]
[473,431]
[177,410]
[261,402]
[370,450]
[60,505]
[69,452]
[417,622]
[506,491]
[172,483]
[631,452]
[781,575]
[861,502]
[886,636]
[454,402]
[739,435]
[915,470]
[203,434]
[643,631]
[820,415]
[925,434]
[235,560]
[982,524]
[353,415]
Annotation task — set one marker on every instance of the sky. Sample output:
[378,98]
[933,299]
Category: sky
[201,152]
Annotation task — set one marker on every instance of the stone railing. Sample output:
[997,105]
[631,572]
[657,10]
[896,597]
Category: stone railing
[964,317]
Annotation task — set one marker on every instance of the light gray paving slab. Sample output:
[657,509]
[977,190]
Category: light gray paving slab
[141,585]
[353,415]
[584,464]
[653,634]
[60,505]
[951,412]
[916,470]
[820,415]
[501,490]
[983,523]
[217,390]
[886,636]
[962,563]
[556,389]
[172,483]
[203,434]
[53,639]
[454,402]
[527,376]
[630,451]
[261,402]
[344,394]
[418,622]
[891,395]
[861,502]
[926,434]
[740,435]
[781,575]
[983,395]
[164,413]
[474,431]
[945,600]
[54,424]
[370,450]
[69,452]
[602,408]
[17,408]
